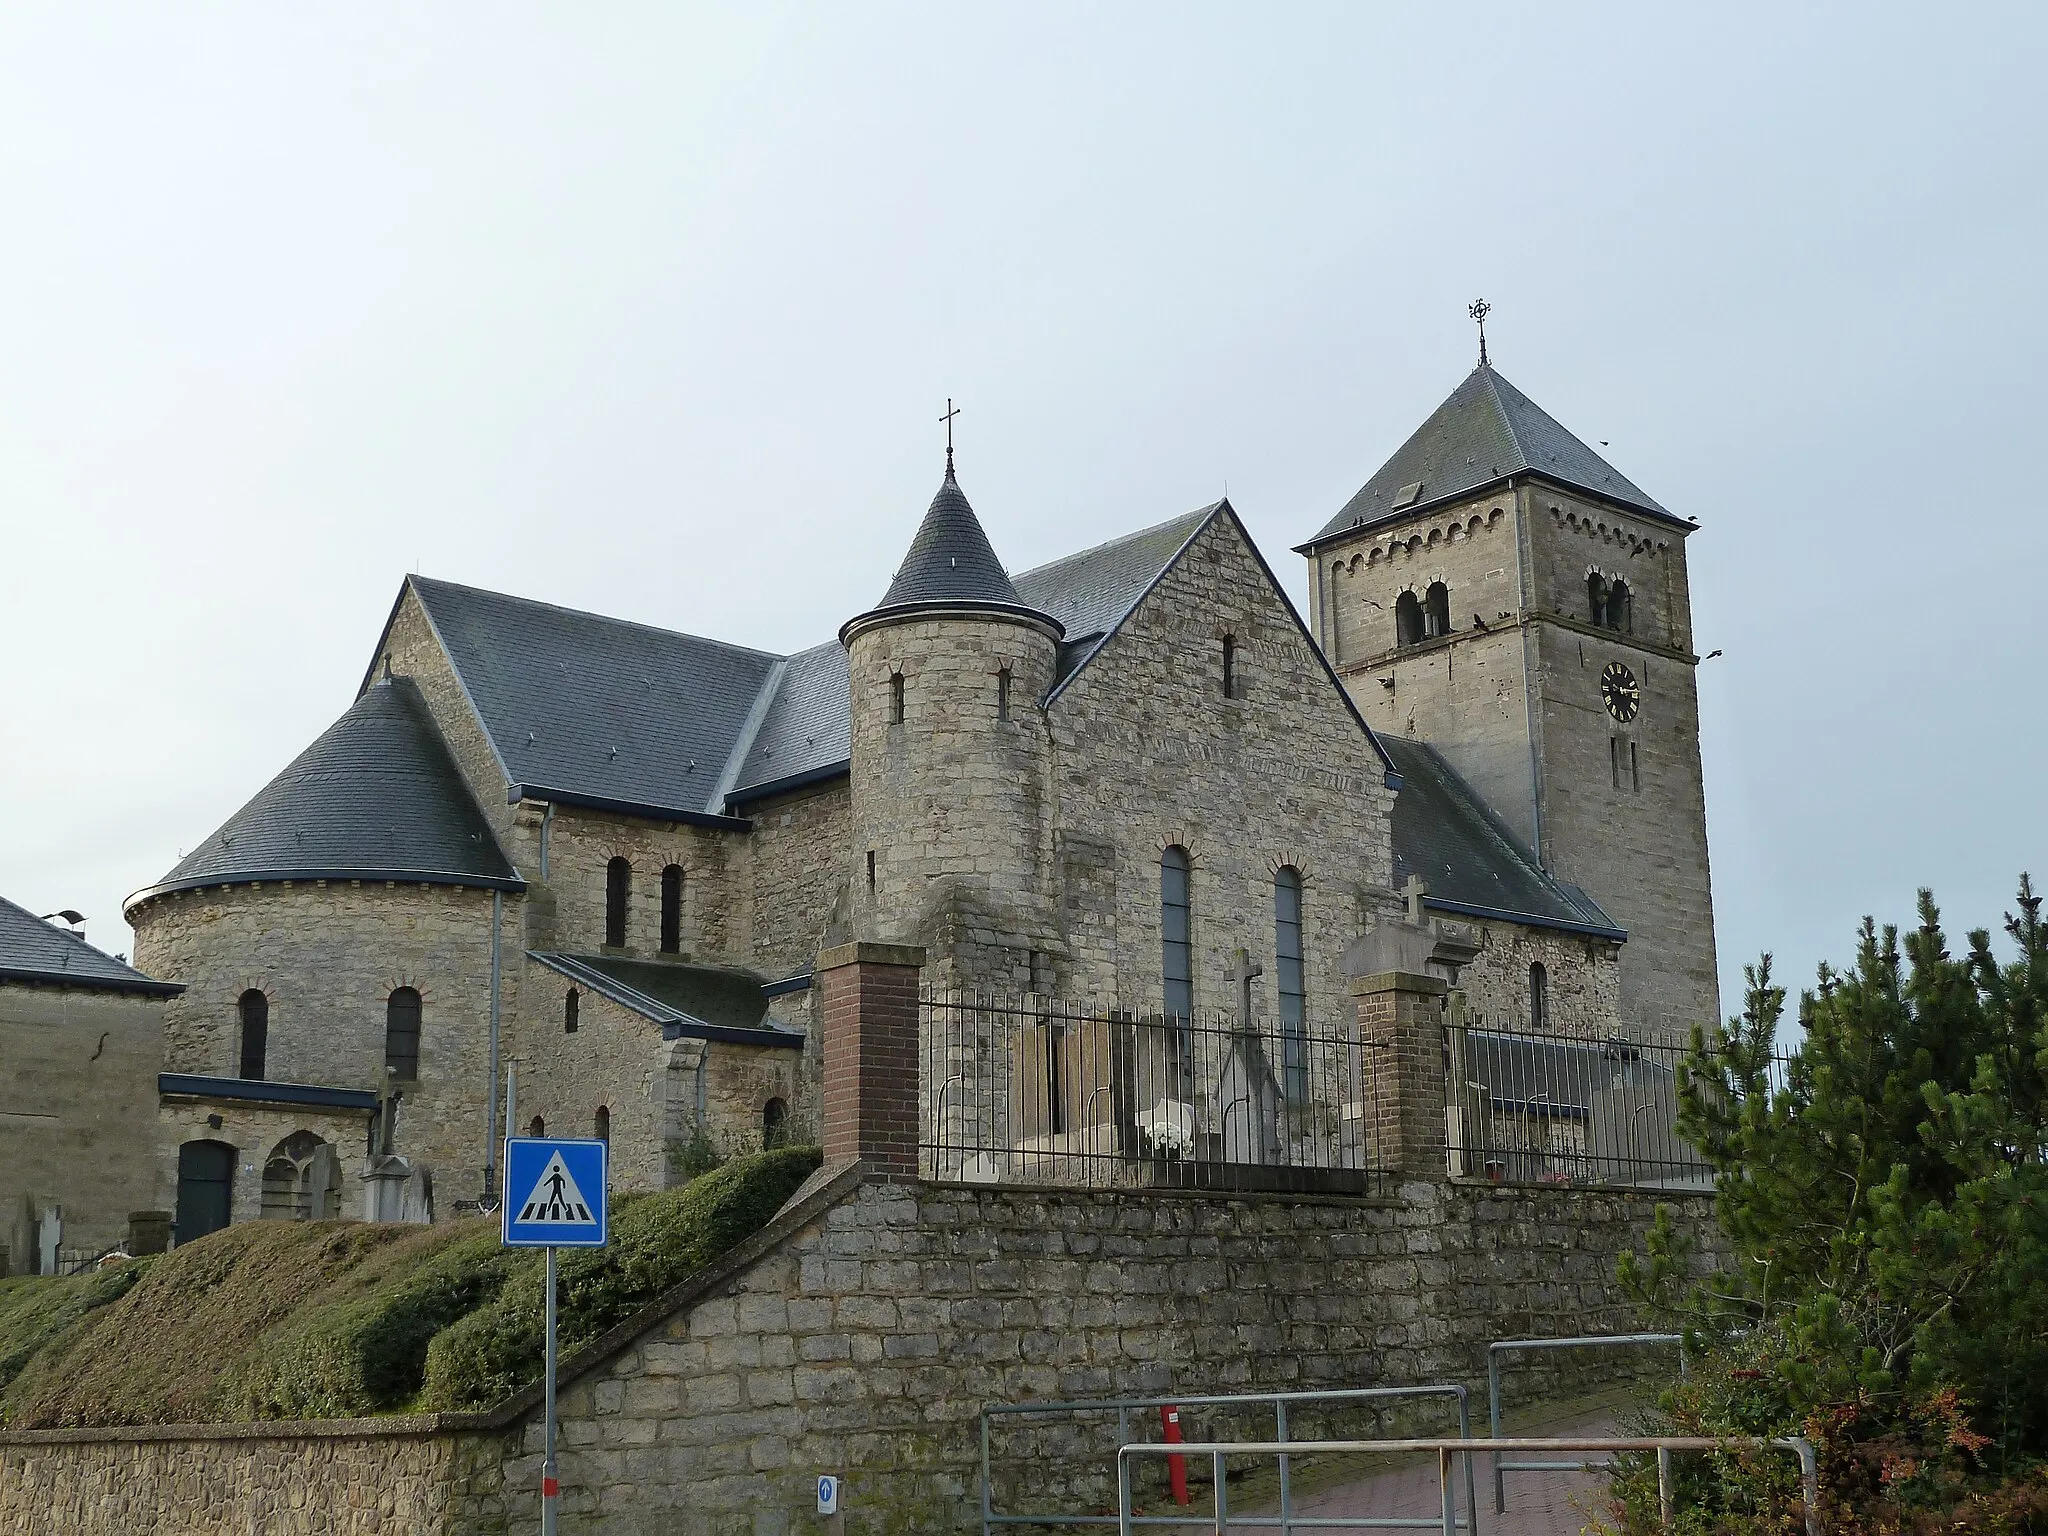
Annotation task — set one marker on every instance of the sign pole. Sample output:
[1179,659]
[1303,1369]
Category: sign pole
[550,1489]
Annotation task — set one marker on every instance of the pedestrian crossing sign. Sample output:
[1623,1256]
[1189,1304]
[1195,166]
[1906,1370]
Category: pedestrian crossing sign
[555,1193]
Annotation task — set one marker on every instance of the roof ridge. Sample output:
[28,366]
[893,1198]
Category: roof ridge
[602,618]
[1122,538]
[1493,383]
[749,732]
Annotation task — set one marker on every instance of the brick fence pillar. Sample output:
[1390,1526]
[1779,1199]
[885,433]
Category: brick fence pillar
[870,1005]
[1401,1027]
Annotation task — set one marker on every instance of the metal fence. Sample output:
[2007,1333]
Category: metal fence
[1035,1091]
[1554,1108]
[1227,1412]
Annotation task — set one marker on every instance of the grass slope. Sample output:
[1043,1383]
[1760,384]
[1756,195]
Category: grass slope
[272,1320]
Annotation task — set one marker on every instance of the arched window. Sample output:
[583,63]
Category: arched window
[1596,599]
[570,1001]
[402,1034]
[774,1124]
[1176,931]
[1407,619]
[1539,996]
[1003,694]
[1292,980]
[1230,666]
[1436,611]
[255,1009]
[537,1127]
[1620,612]
[601,1123]
[618,886]
[672,909]
[895,698]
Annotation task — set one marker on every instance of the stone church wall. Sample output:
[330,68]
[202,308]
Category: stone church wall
[1580,980]
[581,846]
[1465,695]
[328,955]
[414,651]
[1148,753]
[77,1113]
[800,857]
[864,1330]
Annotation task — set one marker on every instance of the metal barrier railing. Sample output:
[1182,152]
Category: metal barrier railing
[1501,1346]
[1286,1520]
[1664,1445]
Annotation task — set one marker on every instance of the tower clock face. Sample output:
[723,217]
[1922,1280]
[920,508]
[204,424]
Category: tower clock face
[1619,688]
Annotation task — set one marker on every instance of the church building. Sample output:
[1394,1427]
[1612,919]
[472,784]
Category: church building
[1134,783]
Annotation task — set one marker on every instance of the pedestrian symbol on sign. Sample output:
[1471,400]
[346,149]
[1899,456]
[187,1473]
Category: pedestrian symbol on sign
[556,1200]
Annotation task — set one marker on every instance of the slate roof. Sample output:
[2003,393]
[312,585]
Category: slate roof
[807,730]
[1470,862]
[698,1002]
[34,951]
[950,560]
[1092,591]
[1484,432]
[376,797]
[613,711]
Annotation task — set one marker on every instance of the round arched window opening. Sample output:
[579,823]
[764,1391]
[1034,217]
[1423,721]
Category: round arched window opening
[537,1127]
[570,1004]
[774,1124]
[601,1124]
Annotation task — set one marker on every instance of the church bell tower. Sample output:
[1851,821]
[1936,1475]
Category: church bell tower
[1501,592]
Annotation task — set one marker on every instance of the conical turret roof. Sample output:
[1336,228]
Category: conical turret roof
[1486,431]
[951,564]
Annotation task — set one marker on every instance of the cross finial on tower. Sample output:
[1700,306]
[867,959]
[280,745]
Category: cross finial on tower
[1478,309]
[951,412]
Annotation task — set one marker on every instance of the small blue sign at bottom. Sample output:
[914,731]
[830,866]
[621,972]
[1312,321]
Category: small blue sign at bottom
[555,1195]
[828,1495]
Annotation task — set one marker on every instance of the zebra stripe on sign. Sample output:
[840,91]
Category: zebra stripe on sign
[556,1200]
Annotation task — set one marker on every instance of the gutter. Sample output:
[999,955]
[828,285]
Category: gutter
[1527,919]
[638,808]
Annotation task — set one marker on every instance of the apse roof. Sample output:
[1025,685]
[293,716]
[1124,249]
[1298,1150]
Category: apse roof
[1484,432]
[376,797]
[32,950]
[1468,860]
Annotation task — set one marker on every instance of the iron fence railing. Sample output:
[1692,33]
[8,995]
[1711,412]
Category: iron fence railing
[1034,1091]
[1534,1107]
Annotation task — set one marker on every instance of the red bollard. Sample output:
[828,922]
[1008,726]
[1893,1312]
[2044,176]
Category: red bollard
[1176,1466]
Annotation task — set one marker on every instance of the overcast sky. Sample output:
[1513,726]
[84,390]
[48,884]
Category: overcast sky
[653,310]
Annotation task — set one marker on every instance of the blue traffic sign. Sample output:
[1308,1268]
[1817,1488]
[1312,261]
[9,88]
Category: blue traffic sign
[555,1193]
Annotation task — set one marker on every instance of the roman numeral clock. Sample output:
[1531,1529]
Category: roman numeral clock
[1620,691]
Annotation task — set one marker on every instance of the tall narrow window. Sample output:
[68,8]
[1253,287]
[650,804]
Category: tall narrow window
[871,871]
[774,1125]
[1176,927]
[1003,694]
[1230,666]
[1293,982]
[1436,611]
[1596,599]
[255,1010]
[1614,758]
[601,1124]
[571,1003]
[1635,774]
[537,1126]
[672,909]
[895,698]
[402,1034]
[618,887]
[1620,608]
[1539,996]
[1407,619]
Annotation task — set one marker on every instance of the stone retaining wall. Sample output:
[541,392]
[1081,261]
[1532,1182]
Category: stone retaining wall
[860,1334]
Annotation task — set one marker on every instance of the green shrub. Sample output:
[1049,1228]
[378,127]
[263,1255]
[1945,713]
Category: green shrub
[36,1309]
[365,1351]
[657,1241]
